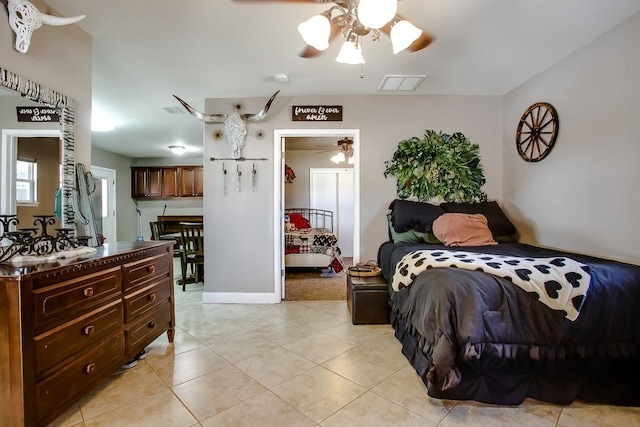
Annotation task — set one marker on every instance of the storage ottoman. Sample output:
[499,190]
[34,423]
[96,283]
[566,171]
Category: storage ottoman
[368,300]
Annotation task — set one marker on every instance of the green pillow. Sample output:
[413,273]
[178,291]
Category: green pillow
[411,236]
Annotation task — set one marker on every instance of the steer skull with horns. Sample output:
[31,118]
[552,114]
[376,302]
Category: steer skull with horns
[25,18]
[235,124]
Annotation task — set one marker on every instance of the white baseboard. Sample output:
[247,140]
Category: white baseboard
[239,298]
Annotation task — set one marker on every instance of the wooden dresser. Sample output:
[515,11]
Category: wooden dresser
[66,326]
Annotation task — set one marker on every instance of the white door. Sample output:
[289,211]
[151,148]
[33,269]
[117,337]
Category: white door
[332,189]
[107,181]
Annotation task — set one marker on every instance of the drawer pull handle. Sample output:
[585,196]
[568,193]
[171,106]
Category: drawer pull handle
[151,269]
[88,330]
[151,297]
[88,292]
[151,324]
[90,368]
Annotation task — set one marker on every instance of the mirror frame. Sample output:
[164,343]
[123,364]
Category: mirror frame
[36,92]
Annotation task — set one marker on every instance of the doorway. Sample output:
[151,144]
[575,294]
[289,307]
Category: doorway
[280,136]
[106,189]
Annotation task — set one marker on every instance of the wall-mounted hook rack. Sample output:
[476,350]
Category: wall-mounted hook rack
[239,159]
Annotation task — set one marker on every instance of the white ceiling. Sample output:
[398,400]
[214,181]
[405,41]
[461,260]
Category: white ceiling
[145,51]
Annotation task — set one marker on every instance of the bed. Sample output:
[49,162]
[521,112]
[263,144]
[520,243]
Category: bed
[472,334]
[310,241]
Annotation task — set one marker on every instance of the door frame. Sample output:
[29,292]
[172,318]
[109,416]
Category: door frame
[110,175]
[279,136]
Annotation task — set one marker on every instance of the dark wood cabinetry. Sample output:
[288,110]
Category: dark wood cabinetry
[67,326]
[170,182]
[192,181]
[166,182]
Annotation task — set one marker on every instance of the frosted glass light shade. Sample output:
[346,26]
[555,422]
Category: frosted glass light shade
[177,149]
[338,158]
[350,54]
[376,13]
[315,31]
[403,33]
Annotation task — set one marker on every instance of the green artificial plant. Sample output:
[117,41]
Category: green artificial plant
[439,166]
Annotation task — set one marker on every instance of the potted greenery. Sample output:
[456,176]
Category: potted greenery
[438,166]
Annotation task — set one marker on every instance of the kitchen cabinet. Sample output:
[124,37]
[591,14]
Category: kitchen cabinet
[166,182]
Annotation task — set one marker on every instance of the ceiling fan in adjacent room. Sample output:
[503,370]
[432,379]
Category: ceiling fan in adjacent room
[355,19]
[344,148]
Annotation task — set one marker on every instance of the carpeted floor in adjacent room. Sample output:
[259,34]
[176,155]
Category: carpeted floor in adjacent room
[305,284]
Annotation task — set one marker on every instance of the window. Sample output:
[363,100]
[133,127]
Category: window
[26,180]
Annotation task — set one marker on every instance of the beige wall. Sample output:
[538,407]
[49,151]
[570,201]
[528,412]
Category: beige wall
[296,194]
[239,234]
[59,58]
[584,196]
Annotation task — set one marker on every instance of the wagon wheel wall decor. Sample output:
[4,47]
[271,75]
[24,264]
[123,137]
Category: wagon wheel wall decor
[537,132]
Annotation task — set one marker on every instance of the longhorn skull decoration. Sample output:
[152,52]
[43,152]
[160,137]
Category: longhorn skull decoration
[25,18]
[235,124]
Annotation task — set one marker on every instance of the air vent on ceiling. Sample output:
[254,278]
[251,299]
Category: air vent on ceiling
[401,83]
[173,110]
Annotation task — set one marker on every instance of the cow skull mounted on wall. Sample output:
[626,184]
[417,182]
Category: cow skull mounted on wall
[235,124]
[25,18]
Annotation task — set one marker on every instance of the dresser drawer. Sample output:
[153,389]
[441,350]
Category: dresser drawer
[72,337]
[79,375]
[142,272]
[147,328]
[66,299]
[139,302]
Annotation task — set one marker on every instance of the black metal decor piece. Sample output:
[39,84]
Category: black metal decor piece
[36,241]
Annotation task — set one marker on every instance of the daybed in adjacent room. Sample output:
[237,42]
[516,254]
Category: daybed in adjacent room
[309,239]
[499,322]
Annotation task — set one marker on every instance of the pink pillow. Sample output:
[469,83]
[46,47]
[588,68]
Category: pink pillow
[460,229]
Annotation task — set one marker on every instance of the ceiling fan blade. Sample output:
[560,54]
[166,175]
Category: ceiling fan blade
[425,39]
[421,42]
[312,52]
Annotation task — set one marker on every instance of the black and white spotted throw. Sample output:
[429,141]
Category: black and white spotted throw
[560,282]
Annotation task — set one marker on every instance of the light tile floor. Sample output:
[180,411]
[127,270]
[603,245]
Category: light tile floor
[294,364]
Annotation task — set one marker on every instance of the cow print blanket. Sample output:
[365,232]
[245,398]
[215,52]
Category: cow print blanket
[561,283]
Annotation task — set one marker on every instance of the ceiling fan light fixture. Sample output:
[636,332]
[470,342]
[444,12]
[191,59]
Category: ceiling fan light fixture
[350,53]
[403,33]
[315,31]
[376,13]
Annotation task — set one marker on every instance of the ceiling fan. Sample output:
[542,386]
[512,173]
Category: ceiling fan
[343,150]
[346,17]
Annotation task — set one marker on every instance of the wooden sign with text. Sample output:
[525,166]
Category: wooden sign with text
[38,114]
[316,113]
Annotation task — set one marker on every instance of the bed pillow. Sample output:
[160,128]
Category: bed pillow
[499,224]
[407,215]
[299,221]
[411,236]
[460,229]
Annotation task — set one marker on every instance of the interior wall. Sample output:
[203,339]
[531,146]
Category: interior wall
[46,151]
[297,193]
[126,222]
[240,225]
[583,196]
[59,58]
